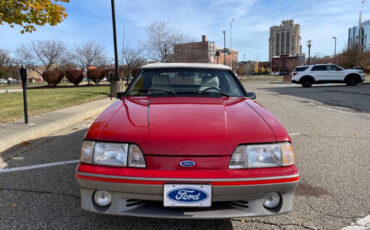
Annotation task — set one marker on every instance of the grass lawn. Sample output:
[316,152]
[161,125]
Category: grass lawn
[45,100]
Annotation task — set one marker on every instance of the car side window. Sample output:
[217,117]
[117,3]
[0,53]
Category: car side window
[319,68]
[335,68]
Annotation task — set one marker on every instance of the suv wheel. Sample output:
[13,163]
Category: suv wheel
[307,82]
[351,81]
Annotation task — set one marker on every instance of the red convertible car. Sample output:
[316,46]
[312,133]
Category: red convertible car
[187,141]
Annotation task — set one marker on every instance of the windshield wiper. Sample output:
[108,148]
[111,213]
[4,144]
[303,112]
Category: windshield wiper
[202,92]
[147,90]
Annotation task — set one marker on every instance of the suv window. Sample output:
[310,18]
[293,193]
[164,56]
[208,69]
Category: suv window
[334,68]
[300,69]
[319,68]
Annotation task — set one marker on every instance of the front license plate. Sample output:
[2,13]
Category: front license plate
[187,195]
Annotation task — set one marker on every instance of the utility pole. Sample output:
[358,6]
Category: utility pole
[114,82]
[231,39]
[223,53]
[123,36]
[360,38]
[244,58]
[335,47]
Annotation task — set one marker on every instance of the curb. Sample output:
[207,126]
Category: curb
[48,128]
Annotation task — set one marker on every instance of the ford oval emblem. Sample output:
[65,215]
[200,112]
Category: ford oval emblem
[187,195]
[187,163]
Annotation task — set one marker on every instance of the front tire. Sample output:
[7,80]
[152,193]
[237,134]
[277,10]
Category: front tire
[351,81]
[307,82]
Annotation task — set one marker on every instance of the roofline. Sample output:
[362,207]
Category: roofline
[186,65]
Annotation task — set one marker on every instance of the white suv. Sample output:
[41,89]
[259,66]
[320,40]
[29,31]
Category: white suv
[326,73]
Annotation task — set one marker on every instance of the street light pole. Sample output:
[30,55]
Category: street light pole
[335,47]
[231,39]
[309,44]
[223,53]
[114,81]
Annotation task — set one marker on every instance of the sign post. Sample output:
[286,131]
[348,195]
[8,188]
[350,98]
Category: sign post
[24,87]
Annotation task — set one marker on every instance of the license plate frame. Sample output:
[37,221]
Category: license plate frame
[191,191]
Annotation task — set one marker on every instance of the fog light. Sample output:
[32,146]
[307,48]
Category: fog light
[102,198]
[271,200]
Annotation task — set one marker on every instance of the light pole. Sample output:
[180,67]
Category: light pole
[223,53]
[231,39]
[335,47]
[309,44]
[114,86]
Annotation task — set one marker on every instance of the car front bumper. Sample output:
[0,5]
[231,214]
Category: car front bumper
[144,197]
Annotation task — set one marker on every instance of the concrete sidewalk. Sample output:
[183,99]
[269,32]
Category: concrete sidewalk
[14,133]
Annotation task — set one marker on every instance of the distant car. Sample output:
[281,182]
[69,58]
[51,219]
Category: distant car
[3,81]
[13,81]
[187,141]
[326,73]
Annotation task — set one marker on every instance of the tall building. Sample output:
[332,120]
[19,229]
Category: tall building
[354,36]
[285,39]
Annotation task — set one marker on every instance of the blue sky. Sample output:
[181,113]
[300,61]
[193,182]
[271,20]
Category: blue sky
[91,20]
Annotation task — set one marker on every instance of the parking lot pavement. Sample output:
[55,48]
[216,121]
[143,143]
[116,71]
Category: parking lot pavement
[331,143]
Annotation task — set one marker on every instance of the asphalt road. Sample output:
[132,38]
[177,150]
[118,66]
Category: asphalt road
[330,127]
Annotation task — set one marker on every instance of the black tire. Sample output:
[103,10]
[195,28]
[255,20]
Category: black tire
[352,80]
[307,82]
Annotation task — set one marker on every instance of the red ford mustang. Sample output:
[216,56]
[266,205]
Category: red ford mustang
[187,141]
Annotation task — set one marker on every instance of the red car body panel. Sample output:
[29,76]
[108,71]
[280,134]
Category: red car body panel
[154,124]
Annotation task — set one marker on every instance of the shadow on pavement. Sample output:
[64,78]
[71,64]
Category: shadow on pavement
[49,198]
[352,97]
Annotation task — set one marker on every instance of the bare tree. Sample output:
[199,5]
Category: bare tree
[48,53]
[161,40]
[89,54]
[133,59]
[25,56]
[5,62]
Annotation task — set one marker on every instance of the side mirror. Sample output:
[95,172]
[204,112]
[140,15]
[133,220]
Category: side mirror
[120,95]
[251,95]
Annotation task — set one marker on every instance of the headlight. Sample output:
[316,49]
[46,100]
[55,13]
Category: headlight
[262,156]
[112,154]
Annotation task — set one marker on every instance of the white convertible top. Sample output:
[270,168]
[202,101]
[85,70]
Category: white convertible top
[186,65]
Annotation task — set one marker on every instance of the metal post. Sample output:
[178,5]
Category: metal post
[115,80]
[223,53]
[335,47]
[23,73]
[231,50]
[309,44]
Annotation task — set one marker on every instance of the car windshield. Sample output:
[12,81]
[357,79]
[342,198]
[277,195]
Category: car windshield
[185,82]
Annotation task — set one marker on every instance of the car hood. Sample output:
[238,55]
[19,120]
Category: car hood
[186,126]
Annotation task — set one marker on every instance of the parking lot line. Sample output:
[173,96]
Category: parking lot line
[38,166]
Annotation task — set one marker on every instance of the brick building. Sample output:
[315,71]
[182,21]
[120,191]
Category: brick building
[220,56]
[195,52]
[203,52]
